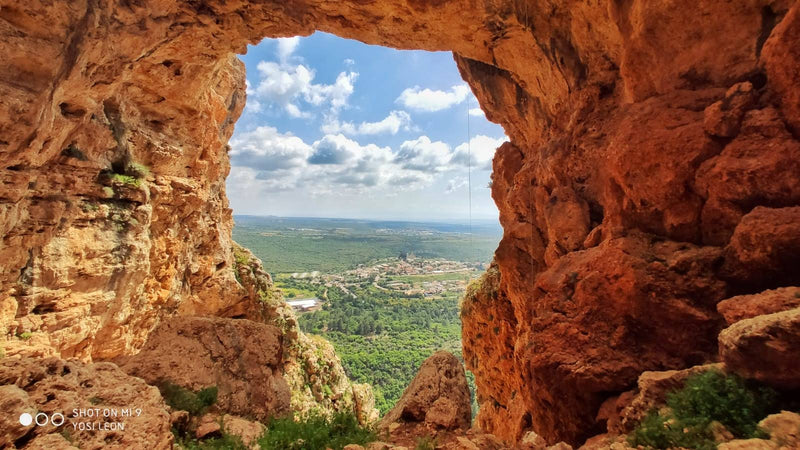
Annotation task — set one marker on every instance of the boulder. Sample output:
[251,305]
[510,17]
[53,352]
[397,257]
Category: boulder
[651,391]
[437,396]
[243,359]
[248,431]
[765,348]
[770,301]
[125,412]
[783,428]
[208,425]
[723,118]
[765,247]
[532,441]
[781,59]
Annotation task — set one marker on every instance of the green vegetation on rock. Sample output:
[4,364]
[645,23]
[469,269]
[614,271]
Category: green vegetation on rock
[316,432]
[224,442]
[126,179]
[706,398]
[180,398]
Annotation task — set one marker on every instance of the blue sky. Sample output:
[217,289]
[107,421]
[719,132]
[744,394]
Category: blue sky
[337,128]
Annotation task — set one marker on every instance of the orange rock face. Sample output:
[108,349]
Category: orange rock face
[653,170]
[88,396]
[438,396]
[241,358]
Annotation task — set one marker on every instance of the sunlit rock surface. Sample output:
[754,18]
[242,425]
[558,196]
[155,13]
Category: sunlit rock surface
[650,142]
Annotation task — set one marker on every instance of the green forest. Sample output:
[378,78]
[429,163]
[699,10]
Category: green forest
[383,337]
[287,245]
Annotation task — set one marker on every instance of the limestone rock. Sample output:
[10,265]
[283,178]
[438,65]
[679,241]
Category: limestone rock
[53,386]
[728,180]
[605,107]
[248,430]
[724,117]
[438,395]
[613,306]
[207,425]
[783,428]
[532,441]
[770,301]
[781,59]
[243,359]
[748,444]
[466,444]
[49,442]
[14,401]
[607,442]
[766,348]
[560,446]
[651,392]
[765,248]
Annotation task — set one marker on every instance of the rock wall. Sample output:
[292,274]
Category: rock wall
[653,163]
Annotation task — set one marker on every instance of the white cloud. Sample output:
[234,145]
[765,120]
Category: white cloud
[392,124]
[287,46]
[423,155]
[455,185]
[267,150]
[476,112]
[266,160]
[481,149]
[429,100]
[285,85]
[336,93]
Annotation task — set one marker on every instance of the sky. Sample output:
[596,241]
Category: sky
[337,128]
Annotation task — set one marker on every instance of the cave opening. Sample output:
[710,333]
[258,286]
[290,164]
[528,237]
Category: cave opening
[361,176]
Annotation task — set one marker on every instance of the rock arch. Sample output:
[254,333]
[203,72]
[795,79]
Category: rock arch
[642,133]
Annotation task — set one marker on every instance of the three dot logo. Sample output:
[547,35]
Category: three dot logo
[25,419]
[41,419]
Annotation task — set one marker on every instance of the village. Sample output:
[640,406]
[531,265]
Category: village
[407,275]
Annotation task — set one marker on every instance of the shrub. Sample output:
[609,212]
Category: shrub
[180,398]
[25,336]
[224,442]
[125,179]
[316,432]
[705,398]
[137,170]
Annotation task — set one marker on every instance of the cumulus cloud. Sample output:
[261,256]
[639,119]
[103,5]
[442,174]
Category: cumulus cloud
[424,155]
[267,150]
[392,124]
[476,112]
[285,85]
[286,47]
[481,149]
[428,100]
[455,184]
[266,159]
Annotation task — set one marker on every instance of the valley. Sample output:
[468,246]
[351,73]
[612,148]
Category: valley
[386,294]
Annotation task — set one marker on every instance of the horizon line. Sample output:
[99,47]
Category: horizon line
[449,221]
